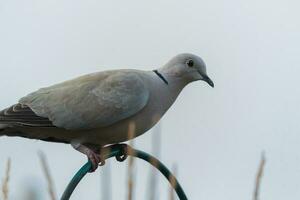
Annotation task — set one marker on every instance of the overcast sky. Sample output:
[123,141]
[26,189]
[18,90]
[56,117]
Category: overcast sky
[216,136]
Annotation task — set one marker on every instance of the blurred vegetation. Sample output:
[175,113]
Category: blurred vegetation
[106,190]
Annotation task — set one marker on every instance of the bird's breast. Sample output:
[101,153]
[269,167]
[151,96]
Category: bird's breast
[158,104]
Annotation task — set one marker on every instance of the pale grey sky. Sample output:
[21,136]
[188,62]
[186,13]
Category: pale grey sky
[251,49]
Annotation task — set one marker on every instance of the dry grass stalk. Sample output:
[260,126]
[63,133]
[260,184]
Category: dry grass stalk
[259,177]
[156,149]
[173,183]
[130,184]
[6,180]
[156,143]
[106,187]
[46,171]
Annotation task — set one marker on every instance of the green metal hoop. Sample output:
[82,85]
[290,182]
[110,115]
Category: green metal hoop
[121,151]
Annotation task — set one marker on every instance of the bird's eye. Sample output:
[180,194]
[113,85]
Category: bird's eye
[190,63]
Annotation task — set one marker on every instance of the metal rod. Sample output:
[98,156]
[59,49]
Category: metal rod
[121,151]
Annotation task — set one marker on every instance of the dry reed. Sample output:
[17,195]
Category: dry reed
[106,187]
[259,177]
[173,182]
[156,151]
[6,180]
[46,171]
[130,182]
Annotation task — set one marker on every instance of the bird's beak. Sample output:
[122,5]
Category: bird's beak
[208,80]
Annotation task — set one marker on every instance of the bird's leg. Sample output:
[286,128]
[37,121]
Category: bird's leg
[93,154]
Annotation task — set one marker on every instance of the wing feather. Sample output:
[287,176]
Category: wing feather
[23,115]
[88,102]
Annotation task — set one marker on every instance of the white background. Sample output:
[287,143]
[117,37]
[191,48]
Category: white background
[215,136]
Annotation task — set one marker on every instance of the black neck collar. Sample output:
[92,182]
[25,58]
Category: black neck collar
[161,77]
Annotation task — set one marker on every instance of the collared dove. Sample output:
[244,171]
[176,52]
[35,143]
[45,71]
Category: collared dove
[97,109]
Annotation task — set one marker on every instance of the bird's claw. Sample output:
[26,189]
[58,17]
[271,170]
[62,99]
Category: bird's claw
[96,160]
[123,153]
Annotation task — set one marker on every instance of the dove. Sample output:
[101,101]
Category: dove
[97,109]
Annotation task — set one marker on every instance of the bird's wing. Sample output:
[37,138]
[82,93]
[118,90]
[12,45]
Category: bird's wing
[88,102]
[23,115]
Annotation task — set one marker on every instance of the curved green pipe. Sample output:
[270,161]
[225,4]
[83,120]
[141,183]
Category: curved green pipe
[120,151]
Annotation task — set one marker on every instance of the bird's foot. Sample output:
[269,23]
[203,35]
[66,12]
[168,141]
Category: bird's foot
[95,158]
[123,152]
[94,155]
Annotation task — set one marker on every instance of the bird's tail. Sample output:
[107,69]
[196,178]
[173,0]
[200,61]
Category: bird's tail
[5,130]
[3,127]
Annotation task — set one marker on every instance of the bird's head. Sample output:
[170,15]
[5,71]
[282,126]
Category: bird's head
[187,67]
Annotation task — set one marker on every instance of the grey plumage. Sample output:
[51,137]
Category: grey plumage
[23,115]
[92,101]
[97,108]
